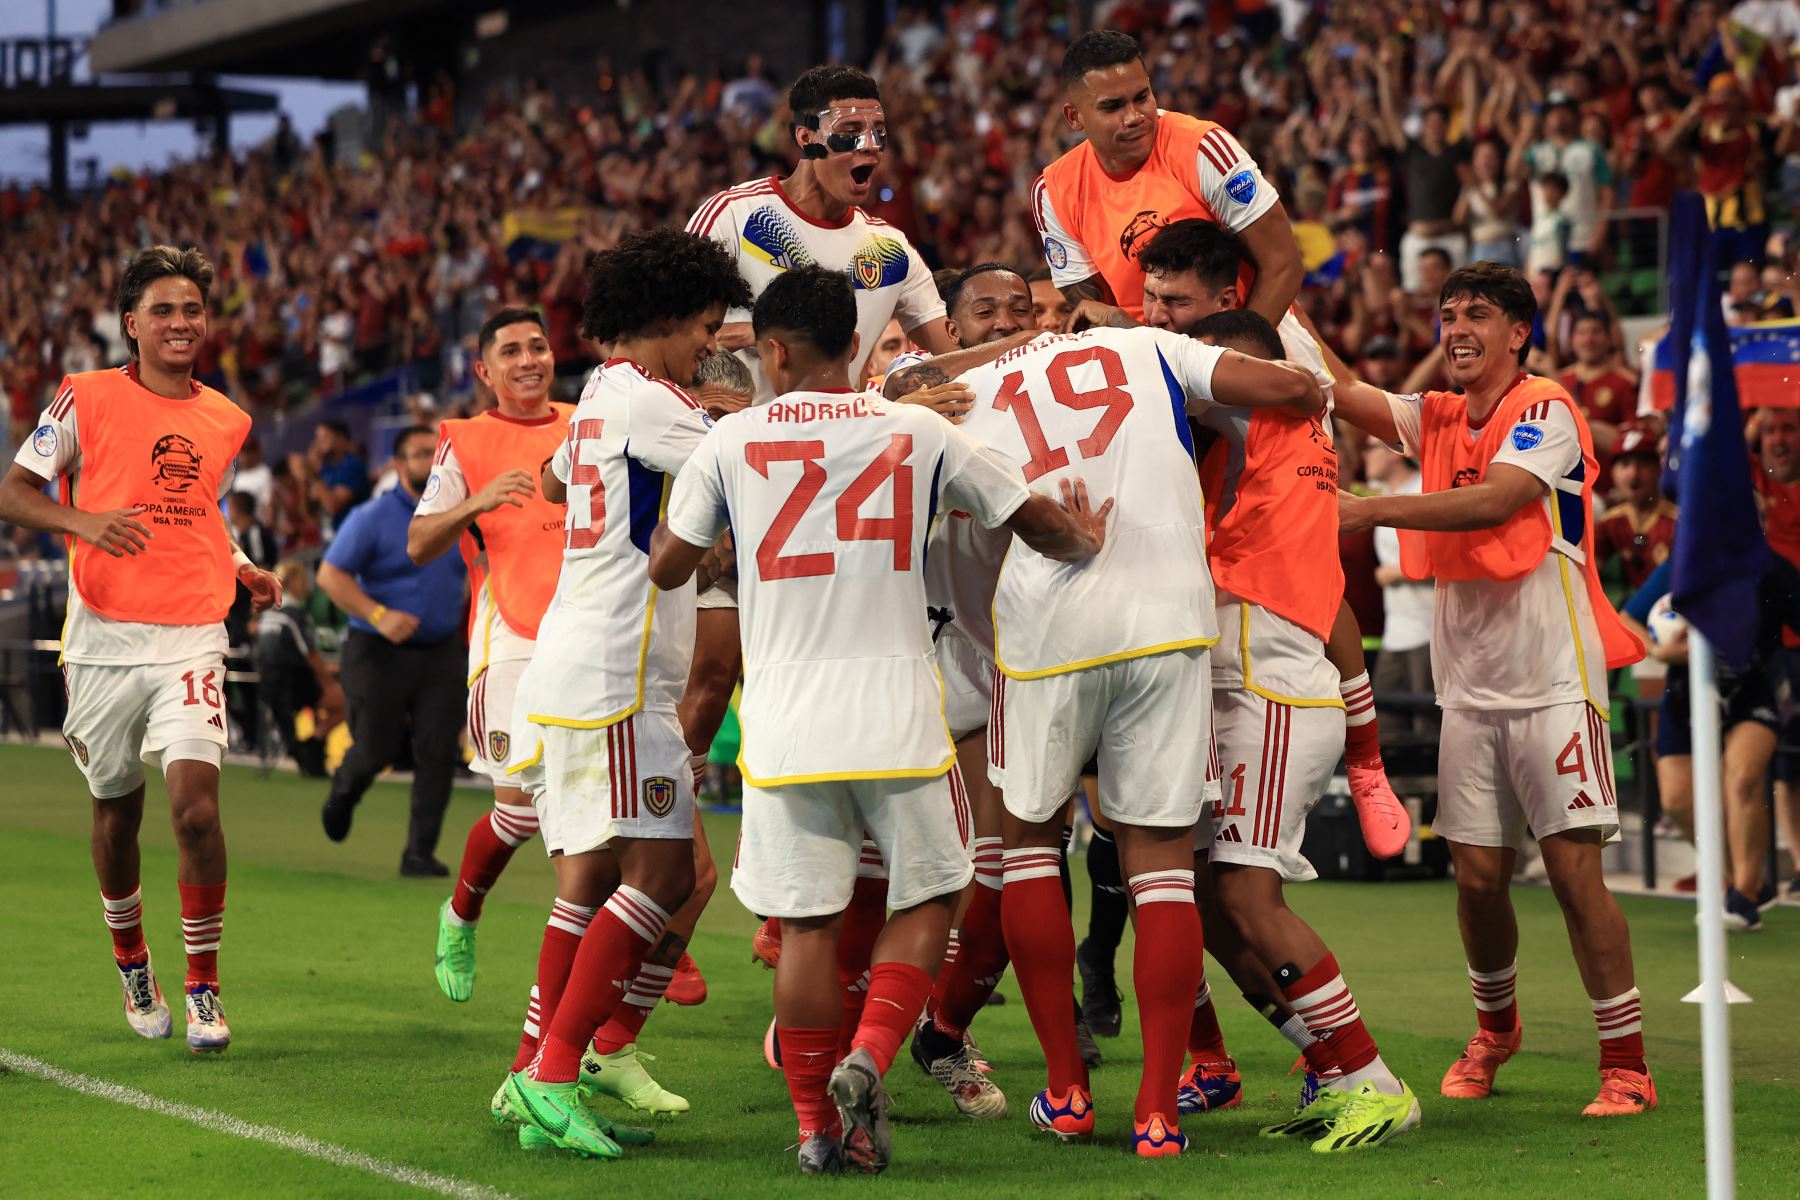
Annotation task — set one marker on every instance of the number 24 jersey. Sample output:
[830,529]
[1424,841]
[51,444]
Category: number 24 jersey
[829,496]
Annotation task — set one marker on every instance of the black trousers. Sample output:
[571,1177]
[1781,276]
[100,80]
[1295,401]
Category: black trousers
[401,695]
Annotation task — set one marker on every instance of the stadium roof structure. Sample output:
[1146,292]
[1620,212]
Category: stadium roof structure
[89,102]
[314,38]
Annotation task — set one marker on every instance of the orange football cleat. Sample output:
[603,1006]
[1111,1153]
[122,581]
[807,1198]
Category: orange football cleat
[1623,1093]
[689,986]
[1156,1138]
[1471,1077]
[765,945]
[1386,824]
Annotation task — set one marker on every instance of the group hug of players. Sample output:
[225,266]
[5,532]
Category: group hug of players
[1029,556]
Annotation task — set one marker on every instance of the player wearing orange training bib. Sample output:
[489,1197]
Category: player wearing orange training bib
[483,495]
[1278,723]
[1521,640]
[1140,169]
[146,453]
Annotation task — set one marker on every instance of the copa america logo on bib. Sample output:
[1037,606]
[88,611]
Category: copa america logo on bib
[1241,187]
[1055,253]
[659,795]
[1527,437]
[43,442]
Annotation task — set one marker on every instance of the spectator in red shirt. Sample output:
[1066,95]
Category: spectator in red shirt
[1775,434]
[1604,388]
[1639,529]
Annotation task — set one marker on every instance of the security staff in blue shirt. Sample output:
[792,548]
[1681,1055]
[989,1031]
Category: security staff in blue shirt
[402,668]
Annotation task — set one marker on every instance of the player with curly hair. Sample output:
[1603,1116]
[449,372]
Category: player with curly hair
[604,756]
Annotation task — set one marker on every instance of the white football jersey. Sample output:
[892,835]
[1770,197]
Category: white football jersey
[768,235]
[829,496]
[1108,406]
[611,643]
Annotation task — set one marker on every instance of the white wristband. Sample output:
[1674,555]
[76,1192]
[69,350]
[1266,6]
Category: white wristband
[240,560]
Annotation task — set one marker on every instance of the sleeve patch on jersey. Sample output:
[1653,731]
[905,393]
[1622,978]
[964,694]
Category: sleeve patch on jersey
[1526,437]
[1242,187]
[1055,253]
[433,486]
[43,442]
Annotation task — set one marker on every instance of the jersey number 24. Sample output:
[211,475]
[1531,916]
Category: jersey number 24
[852,526]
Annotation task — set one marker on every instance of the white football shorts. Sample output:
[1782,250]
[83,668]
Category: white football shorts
[629,779]
[968,682]
[1275,762]
[800,851]
[1148,719]
[494,734]
[120,717]
[1503,776]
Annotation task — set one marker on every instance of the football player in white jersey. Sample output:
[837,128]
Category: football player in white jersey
[809,217]
[830,494]
[608,771]
[1111,656]
[1521,640]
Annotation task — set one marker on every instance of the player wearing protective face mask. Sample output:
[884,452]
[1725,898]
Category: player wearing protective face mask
[772,226]
[811,218]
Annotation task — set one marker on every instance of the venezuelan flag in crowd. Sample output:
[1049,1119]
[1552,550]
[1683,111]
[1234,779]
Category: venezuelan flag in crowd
[539,233]
[1765,357]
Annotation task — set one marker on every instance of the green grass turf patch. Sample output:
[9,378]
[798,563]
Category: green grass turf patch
[341,1035]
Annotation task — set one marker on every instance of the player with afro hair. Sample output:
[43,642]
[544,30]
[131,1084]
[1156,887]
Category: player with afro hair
[663,277]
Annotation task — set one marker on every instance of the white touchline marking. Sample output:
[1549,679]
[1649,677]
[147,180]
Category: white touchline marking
[219,1122]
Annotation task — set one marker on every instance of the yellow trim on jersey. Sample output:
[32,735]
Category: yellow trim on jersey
[643,662]
[1103,660]
[537,756]
[942,768]
[1258,689]
[831,776]
[1562,566]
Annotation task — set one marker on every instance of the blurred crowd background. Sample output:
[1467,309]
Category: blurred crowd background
[1405,138]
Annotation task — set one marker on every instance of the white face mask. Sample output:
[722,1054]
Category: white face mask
[861,125]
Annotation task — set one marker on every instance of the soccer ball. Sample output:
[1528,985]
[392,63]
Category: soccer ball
[1666,626]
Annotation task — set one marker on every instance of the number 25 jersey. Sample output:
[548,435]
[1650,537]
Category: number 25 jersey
[829,496]
[610,643]
[1108,406]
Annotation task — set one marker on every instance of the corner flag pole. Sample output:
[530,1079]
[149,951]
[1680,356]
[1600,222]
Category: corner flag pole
[1709,832]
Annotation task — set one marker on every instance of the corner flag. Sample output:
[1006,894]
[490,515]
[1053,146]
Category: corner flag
[1720,552]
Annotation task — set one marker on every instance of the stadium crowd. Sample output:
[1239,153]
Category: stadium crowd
[1481,129]
[1404,141]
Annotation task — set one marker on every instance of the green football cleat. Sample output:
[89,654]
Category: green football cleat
[1314,1119]
[500,1109]
[455,957]
[1370,1118]
[622,1076]
[533,1138]
[556,1111]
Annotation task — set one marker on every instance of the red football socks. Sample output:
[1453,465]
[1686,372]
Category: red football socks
[562,938]
[1166,971]
[864,920]
[611,952]
[125,918]
[807,1059]
[1620,1022]
[490,846]
[1496,1007]
[202,920]
[634,1008]
[1206,1041]
[965,985]
[1041,944]
[891,1008]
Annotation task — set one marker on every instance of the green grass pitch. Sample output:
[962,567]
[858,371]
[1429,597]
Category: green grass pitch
[341,1036]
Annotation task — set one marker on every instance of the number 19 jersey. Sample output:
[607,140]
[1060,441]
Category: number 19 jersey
[1108,406]
[829,496]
